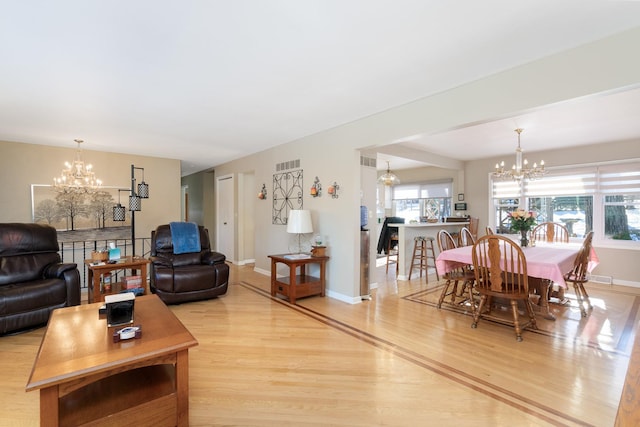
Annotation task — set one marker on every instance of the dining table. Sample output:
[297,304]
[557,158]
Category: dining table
[550,261]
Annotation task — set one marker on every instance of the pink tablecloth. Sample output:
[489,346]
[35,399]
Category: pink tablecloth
[543,261]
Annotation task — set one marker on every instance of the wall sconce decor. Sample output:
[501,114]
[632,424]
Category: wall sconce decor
[316,188]
[135,204]
[333,190]
[262,195]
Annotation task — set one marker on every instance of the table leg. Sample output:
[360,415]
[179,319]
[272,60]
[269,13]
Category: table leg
[182,388]
[542,286]
[292,281]
[273,277]
[96,295]
[90,285]
[145,282]
[322,277]
[49,414]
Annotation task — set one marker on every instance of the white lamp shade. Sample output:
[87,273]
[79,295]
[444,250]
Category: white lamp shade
[299,222]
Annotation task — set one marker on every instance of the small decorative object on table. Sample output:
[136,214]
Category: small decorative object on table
[127,333]
[317,251]
[100,255]
[523,221]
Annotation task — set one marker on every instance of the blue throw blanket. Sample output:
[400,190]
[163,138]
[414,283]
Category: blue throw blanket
[185,236]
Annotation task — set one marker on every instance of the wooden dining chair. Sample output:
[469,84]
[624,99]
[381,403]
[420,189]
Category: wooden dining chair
[489,231]
[501,271]
[466,237]
[551,232]
[578,274]
[453,277]
[473,227]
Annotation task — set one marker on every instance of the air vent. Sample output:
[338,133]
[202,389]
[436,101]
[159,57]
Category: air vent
[607,280]
[368,161]
[291,164]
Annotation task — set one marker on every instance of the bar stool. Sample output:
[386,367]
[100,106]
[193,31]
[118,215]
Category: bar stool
[423,251]
[393,241]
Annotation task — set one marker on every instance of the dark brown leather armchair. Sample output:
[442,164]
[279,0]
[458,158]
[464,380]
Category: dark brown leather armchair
[178,278]
[33,281]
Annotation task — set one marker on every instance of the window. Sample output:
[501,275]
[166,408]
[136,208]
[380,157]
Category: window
[603,198]
[428,199]
[620,186]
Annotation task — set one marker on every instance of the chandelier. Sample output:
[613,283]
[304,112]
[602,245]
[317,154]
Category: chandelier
[77,177]
[388,178]
[521,169]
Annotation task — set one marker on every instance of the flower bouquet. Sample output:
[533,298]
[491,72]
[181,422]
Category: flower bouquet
[522,221]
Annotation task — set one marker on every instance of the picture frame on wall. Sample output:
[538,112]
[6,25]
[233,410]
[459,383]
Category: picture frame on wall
[461,197]
[461,206]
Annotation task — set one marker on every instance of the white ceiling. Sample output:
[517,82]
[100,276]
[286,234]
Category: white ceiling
[593,120]
[210,81]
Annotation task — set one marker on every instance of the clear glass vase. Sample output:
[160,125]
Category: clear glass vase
[524,240]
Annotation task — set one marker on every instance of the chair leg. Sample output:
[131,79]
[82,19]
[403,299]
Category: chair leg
[413,257]
[454,291]
[582,297]
[476,315]
[444,293]
[532,314]
[585,296]
[516,321]
[471,301]
[430,253]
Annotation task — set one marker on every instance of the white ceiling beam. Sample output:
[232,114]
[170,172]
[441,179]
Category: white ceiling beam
[429,159]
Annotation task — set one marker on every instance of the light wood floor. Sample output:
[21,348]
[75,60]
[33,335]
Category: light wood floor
[388,361]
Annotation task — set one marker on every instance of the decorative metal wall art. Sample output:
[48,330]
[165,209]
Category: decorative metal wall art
[287,194]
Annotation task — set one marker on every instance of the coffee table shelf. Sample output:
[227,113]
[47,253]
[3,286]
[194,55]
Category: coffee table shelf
[86,378]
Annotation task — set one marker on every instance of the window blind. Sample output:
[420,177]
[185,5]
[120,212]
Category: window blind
[423,190]
[564,183]
[620,179]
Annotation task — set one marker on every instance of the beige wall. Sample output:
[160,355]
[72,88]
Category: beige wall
[334,154]
[24,164]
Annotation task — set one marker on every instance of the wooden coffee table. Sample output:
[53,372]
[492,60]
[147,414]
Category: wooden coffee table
[83,376]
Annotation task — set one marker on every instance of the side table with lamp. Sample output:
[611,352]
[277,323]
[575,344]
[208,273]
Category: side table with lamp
[298,283]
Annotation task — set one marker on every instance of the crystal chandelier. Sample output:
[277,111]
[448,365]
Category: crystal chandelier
[388,178]
[521,169]
[77,177]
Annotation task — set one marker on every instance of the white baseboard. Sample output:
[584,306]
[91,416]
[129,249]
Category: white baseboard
[262,271]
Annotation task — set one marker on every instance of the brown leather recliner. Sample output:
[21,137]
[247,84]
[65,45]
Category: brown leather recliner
[178,278]
[33,281]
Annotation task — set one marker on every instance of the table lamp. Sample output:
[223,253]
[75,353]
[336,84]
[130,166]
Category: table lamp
[299,223]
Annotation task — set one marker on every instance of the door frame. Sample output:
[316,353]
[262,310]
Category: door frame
[226,180]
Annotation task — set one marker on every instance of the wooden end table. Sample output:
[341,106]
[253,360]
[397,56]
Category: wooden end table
[297,285]
[96,271]
[86,378]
